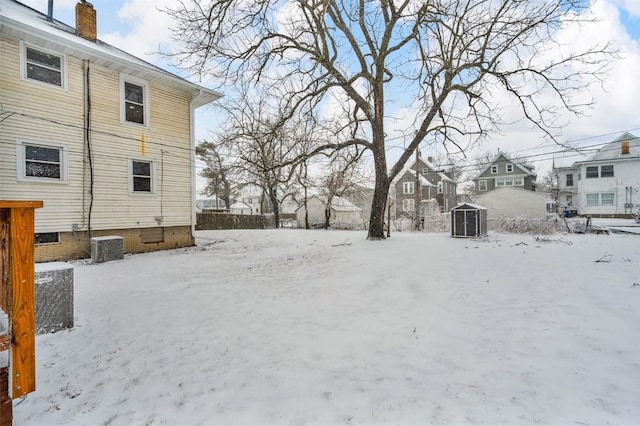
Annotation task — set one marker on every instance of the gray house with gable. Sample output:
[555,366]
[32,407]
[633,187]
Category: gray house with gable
[503,172]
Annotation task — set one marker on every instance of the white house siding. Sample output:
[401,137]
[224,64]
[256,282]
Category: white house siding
[512,202]
[626,173]
[113,145]
[316,212]
[62,200]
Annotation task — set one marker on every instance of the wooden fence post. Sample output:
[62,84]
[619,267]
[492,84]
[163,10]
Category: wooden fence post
[17,301]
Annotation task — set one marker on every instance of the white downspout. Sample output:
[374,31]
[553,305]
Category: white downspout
[192,137]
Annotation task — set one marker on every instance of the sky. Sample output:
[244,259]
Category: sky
[138,27]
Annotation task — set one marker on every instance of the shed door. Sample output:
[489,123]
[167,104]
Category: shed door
[459,225]
[470,223]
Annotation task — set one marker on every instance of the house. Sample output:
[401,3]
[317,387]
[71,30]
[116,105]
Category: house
[512,202]
[435,184]
[503,172]
[104,138]
[343,214]
[240,208]
[606,183]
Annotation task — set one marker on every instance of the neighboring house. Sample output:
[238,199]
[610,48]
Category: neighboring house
[210,205]
[513,202]
[566,187]
[343,214]
[607,183]
[105,139]
[503,172]
[434,184]
[240,208]
[252,196]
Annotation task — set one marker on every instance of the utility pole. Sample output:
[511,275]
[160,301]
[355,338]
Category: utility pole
[418,190]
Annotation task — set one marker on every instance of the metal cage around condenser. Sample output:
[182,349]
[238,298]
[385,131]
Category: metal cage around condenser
[469,221]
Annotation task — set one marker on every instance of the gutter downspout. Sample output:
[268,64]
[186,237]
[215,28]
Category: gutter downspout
[192,144]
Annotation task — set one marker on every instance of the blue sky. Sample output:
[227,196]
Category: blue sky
[139,28]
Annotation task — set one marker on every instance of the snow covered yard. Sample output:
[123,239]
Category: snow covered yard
[293,327]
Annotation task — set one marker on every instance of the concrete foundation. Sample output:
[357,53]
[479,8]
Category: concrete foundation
[104,249]
[54,297]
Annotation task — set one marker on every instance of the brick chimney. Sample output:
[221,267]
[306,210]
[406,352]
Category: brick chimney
[86,26]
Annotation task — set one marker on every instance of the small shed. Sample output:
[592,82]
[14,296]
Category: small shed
[468,220]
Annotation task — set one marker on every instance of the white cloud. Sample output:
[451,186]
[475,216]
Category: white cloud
[149,29]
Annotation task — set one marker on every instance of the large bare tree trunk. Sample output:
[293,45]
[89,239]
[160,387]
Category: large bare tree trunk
[380,194]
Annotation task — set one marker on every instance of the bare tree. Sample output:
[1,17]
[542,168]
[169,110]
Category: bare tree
[344,175]
[218,173]
[267,149]
[446,59]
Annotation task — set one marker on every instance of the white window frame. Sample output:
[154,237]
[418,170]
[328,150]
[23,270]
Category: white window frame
[494,169]
[408,205]
[509,181]
[597,170]
[152,177]
[408,187]
[612,171]
[613,199]
[440,187]
[21,168]
[595,199]
[23,66]
[482,185]
[146,107]
[567,179]
[509,168]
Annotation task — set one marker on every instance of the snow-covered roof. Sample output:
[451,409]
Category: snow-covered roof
[338,204]
[473,206]
[239,205]
[410,168]
[24,23]
[613,150]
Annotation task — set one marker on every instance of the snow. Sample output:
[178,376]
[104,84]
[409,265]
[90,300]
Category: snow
[294,327]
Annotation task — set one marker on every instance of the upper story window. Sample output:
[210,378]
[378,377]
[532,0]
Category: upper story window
[134,101]
[41,161]
[606,171]
[482,185]
[569,179]
[509,168]
[141,177]
[407,187]
[592,172]
[440,187]
[601,171]
[494,169]
[42,66]
[510,181]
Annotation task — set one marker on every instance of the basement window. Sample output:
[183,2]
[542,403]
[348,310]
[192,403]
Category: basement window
[47,238]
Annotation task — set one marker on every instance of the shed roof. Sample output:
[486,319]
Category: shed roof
[466,206]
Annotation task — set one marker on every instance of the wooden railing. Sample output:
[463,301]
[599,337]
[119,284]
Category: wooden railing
[17,301]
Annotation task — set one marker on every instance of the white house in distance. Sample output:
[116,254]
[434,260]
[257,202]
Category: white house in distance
[105,139]
[512,202]
[607,184]
[343,213]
